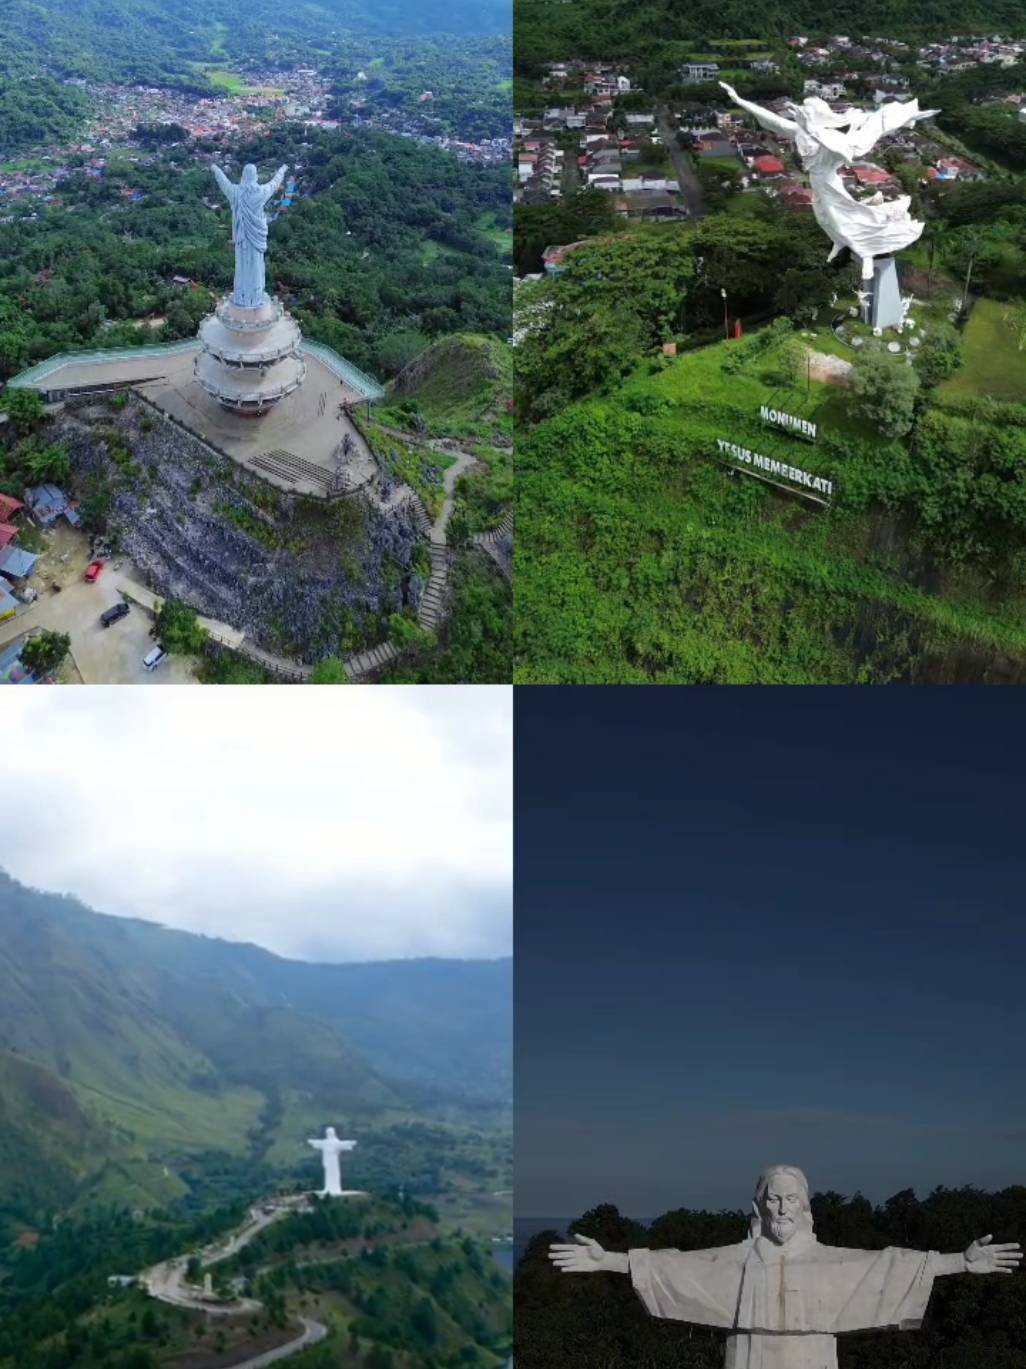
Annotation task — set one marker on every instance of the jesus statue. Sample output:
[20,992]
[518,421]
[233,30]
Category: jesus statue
[827,142]
[331,1148]
[249,231]
[782,1295]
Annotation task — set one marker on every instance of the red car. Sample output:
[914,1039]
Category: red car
[93,571]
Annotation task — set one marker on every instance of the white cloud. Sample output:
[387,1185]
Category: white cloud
[347,824]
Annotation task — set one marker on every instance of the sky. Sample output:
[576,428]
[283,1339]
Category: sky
[767,926]
[322,824]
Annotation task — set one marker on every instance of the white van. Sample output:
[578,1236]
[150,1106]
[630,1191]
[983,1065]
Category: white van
[153,658]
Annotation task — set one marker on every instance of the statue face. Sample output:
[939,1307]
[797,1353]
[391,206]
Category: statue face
[781,1208]
[331,1131]
[249,172]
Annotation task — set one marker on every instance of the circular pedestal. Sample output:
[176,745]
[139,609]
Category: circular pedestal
[250,359]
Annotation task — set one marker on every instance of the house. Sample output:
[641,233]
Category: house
[8,603]
[956,169]
[714,145]
[693,72]
[874,176]
[15,563]
[796,197]
[47,503]
[768,166]
[8,505]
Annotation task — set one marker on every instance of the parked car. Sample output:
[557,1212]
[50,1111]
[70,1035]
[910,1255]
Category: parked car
[153,658]
[93,571]
[114,615]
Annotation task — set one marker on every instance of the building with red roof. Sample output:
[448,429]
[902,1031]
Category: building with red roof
[768,166]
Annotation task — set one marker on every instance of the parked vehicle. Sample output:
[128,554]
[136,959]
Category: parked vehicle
[93,571]
[153,658]
[114,615]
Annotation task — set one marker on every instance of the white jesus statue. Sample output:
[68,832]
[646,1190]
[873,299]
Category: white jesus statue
[331,1148]
[827,142]
[782,1295]
[249,231]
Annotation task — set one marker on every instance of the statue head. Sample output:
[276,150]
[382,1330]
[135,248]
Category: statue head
[249,174]
[781,1208]
[330,1133]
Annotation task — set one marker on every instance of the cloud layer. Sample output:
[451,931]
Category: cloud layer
[342,824]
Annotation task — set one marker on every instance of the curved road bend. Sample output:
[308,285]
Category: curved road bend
[690,188]
[165,1282]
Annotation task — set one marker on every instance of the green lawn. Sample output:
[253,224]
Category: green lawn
[993,364]
[698,378]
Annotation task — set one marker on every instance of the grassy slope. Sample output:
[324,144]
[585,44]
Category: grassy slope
[640,562]
[461,383]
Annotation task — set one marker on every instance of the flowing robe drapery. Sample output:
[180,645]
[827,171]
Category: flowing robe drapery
[249,234]
[868,228]
[784,1306]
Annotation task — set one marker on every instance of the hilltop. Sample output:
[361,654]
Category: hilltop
[464,380]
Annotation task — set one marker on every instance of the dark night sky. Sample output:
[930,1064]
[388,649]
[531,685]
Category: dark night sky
[760,926]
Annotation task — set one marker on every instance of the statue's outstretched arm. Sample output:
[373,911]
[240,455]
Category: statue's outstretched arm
[275,181]
[776,123]
[223,182]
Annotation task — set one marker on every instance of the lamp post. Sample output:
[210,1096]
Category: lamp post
[726,321]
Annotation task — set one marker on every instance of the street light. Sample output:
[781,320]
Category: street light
[726,321]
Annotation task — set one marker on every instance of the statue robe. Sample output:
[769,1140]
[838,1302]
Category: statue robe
[249,234]
[785,1306]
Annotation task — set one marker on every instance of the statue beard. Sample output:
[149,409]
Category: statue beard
[780,1230]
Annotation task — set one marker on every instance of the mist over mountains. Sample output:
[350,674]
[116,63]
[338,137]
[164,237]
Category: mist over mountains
[121,1041]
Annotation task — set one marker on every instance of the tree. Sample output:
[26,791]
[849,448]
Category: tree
[885,392]
[44,655]
[179,629]
[24,408]
[48,464]
[940,354]
[331,671]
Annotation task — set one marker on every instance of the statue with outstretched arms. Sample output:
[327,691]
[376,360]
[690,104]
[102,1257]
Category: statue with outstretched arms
[783,1295]
[249,231]
[827,141]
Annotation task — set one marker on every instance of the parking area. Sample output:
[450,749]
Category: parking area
[102,655]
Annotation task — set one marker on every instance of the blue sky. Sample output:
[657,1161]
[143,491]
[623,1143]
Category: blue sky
[767,926]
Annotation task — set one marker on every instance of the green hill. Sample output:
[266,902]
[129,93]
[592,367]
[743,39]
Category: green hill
[466,379]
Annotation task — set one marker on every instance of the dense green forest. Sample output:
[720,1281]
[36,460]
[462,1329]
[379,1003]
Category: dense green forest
[389,251]
[614,29]
[57,1310]
[598,1322]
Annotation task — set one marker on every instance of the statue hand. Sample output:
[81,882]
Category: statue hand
[729,89]
[984,1258]
[586,1258]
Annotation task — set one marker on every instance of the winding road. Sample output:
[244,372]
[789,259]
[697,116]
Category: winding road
[166,1282]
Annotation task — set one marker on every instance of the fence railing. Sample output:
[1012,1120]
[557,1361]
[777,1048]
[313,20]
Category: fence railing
[46,368]
[345,370]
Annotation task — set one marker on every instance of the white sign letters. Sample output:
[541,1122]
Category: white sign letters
[767,464]
[801,427]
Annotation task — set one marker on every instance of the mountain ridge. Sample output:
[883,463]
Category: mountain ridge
[125,1046]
